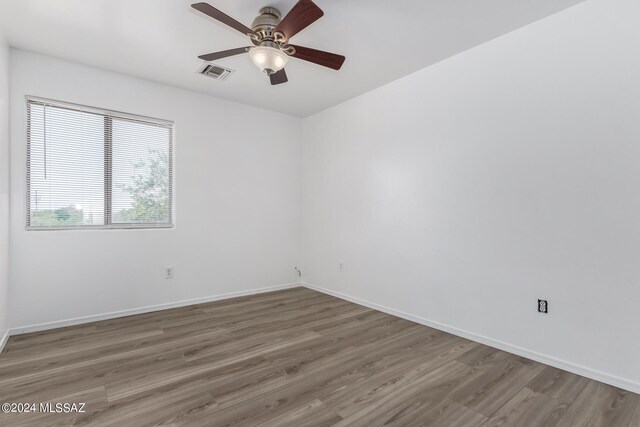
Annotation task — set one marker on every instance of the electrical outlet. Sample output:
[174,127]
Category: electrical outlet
[340,267]
[168,272]
[543,306]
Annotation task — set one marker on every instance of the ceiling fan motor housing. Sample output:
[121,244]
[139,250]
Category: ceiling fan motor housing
[264,24]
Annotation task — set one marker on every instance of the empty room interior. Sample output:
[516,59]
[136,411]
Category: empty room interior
[320,213]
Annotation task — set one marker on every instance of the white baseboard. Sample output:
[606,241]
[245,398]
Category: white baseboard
[122,313]
[4,339]
[520,351]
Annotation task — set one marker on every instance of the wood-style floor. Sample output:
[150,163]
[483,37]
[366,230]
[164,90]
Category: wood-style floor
[291,358]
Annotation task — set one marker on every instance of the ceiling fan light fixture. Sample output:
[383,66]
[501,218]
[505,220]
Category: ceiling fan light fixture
[268,59]
[270,35]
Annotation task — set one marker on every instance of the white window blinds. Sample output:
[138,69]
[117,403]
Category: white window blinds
[93,168]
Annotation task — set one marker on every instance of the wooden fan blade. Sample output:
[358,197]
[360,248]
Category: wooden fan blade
[320,57]
[301,15]
[278,77]
[211,11]
[223,54]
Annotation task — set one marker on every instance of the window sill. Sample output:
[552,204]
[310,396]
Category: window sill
[106,227]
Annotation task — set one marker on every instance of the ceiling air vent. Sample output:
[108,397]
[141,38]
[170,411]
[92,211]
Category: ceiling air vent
[214,71]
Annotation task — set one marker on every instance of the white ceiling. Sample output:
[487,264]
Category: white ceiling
[160,41]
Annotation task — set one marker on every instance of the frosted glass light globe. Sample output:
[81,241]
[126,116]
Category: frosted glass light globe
[268,59]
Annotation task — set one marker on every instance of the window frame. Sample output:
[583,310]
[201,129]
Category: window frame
[108,116]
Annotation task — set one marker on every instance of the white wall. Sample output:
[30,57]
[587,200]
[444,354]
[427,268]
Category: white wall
[238,203]
[4,189]
[466,191]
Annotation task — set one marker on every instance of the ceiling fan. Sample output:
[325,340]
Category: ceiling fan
[270,36]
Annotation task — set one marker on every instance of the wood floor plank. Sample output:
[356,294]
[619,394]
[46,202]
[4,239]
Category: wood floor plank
[310,414]
[88,377]
[49,336]
[277,393]
[102,362]
[368,388]
[280,393]
[529,409]
[497,385]
[482,357]
[559,384]
[291,357]
[420,388]
[446,414]
[11,361]
[155,407]
[600,405]
[130,387]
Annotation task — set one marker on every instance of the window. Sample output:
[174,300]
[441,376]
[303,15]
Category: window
[93,168]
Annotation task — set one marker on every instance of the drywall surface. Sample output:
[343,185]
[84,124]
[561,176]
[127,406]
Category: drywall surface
[237,203]
[466,191]
[4,189]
